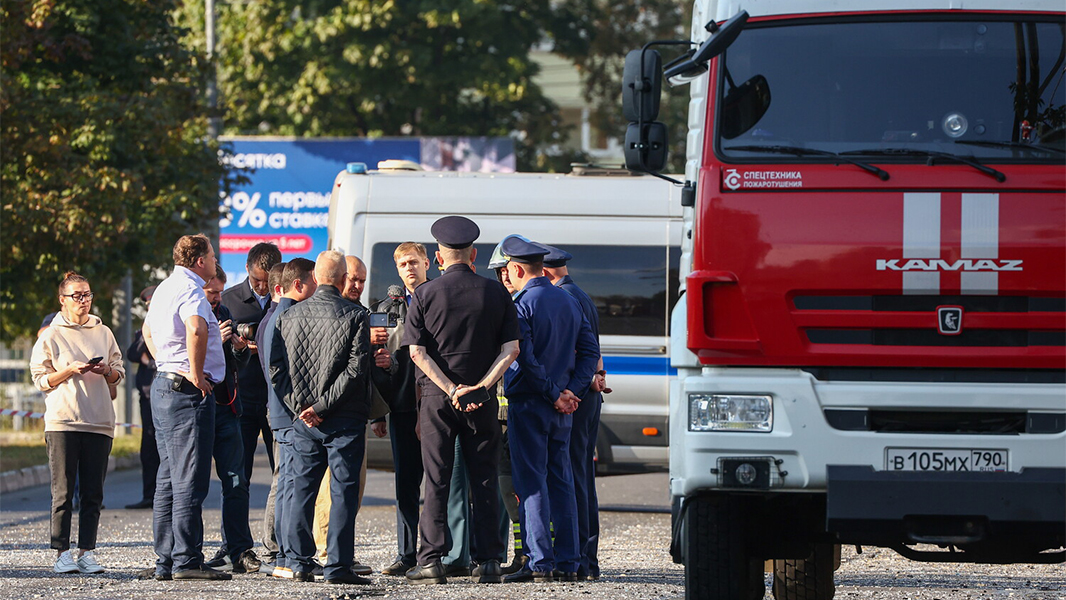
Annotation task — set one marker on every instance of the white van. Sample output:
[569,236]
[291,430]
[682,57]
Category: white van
[624,233]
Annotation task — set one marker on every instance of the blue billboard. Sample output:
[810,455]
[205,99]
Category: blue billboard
[286,201]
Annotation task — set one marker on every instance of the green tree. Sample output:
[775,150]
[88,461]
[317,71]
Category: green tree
[618,27]
[105,156]
[386,68]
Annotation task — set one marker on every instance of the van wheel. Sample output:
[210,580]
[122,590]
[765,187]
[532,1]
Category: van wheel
[808,578]
[717,563]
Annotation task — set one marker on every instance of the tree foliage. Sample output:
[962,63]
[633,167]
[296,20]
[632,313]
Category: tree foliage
[618,27]
[388,68]
[105,160]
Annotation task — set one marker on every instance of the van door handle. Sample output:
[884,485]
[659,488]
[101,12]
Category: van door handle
[612,349]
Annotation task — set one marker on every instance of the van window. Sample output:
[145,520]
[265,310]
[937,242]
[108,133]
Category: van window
[628,284]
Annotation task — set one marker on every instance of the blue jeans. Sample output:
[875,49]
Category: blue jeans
[229,466]
[185,431]
[339,443]
[283,497]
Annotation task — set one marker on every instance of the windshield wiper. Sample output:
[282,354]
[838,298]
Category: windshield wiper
[931,155]
[797,151]
[1010,145]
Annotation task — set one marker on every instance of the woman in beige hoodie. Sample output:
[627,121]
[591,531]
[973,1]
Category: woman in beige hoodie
[74,362]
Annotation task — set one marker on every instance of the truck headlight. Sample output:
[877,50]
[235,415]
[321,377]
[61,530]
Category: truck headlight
[721,412]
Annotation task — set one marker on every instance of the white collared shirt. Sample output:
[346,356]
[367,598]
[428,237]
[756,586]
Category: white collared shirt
[263,300]
[179,297]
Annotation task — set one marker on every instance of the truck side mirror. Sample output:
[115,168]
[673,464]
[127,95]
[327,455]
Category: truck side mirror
[743,107]
[711,47]
[642,85]
[645,147]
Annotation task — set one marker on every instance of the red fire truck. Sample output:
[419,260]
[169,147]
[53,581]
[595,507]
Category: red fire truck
[871,339]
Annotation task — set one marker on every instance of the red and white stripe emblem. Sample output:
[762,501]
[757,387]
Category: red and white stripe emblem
[950,227]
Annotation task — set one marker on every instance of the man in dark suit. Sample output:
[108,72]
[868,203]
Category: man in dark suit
[139,355]
[397,386]
[248,302]
[235,554]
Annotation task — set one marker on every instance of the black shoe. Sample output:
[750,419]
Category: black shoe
[543,577]
[454,570]
[516,564]
[146,503]
[592,578]
[400,567]
[204,573]
[247,562]
[433,573]
[348,578]
[522,575]
[150,573]
[566,576]
[220,561]
[303,576]
[487,572]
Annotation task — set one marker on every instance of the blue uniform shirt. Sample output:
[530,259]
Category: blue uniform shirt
[557,349]
[588,307]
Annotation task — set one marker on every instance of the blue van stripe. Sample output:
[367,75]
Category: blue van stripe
[638,365]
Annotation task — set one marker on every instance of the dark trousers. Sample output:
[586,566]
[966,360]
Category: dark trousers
[77,454]
[149,452]
[479,436]
[407,462]
[229,466]
[540,469]
[280,499]
[185,434]
[339,443]
[586,426]
[254,422]
[458,541]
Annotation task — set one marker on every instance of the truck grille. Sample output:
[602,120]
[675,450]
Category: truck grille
[973,307]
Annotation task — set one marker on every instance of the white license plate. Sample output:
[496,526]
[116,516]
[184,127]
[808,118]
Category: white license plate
[934,459]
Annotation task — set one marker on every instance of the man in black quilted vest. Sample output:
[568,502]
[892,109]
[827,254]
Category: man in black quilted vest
[321,371]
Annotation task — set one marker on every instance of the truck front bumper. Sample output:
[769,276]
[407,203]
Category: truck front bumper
[989,510]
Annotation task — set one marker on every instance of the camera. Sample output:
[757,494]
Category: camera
[247,330]
[382,319]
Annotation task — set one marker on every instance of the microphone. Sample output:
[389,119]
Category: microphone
[395,292]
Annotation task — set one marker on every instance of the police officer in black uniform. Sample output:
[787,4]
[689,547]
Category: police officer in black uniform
[462,330]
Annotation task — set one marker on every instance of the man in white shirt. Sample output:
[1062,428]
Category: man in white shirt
[182,333]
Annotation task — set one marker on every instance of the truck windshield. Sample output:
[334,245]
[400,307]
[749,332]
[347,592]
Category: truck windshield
[991,90]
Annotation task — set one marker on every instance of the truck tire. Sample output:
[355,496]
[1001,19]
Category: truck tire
[808,578]
[717,563]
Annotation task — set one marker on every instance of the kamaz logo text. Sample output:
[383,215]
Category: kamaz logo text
[937,264]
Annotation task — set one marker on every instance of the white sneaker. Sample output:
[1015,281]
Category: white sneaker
[87,564]
[65,564]
[282,573]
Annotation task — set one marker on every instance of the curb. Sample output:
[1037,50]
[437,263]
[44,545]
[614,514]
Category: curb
[19,479]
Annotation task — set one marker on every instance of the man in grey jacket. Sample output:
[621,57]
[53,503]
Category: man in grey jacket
[320,368]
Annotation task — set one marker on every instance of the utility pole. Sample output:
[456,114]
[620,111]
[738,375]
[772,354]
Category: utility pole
[213,125]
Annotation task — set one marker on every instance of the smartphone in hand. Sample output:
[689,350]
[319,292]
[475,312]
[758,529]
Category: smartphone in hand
[478,396]
[96,359]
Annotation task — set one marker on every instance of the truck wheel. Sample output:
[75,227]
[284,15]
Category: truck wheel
[808,578]
[717,563]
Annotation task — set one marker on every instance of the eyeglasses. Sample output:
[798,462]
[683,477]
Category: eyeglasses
[79,296]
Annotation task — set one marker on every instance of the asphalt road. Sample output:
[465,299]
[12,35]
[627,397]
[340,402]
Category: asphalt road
[633,553]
